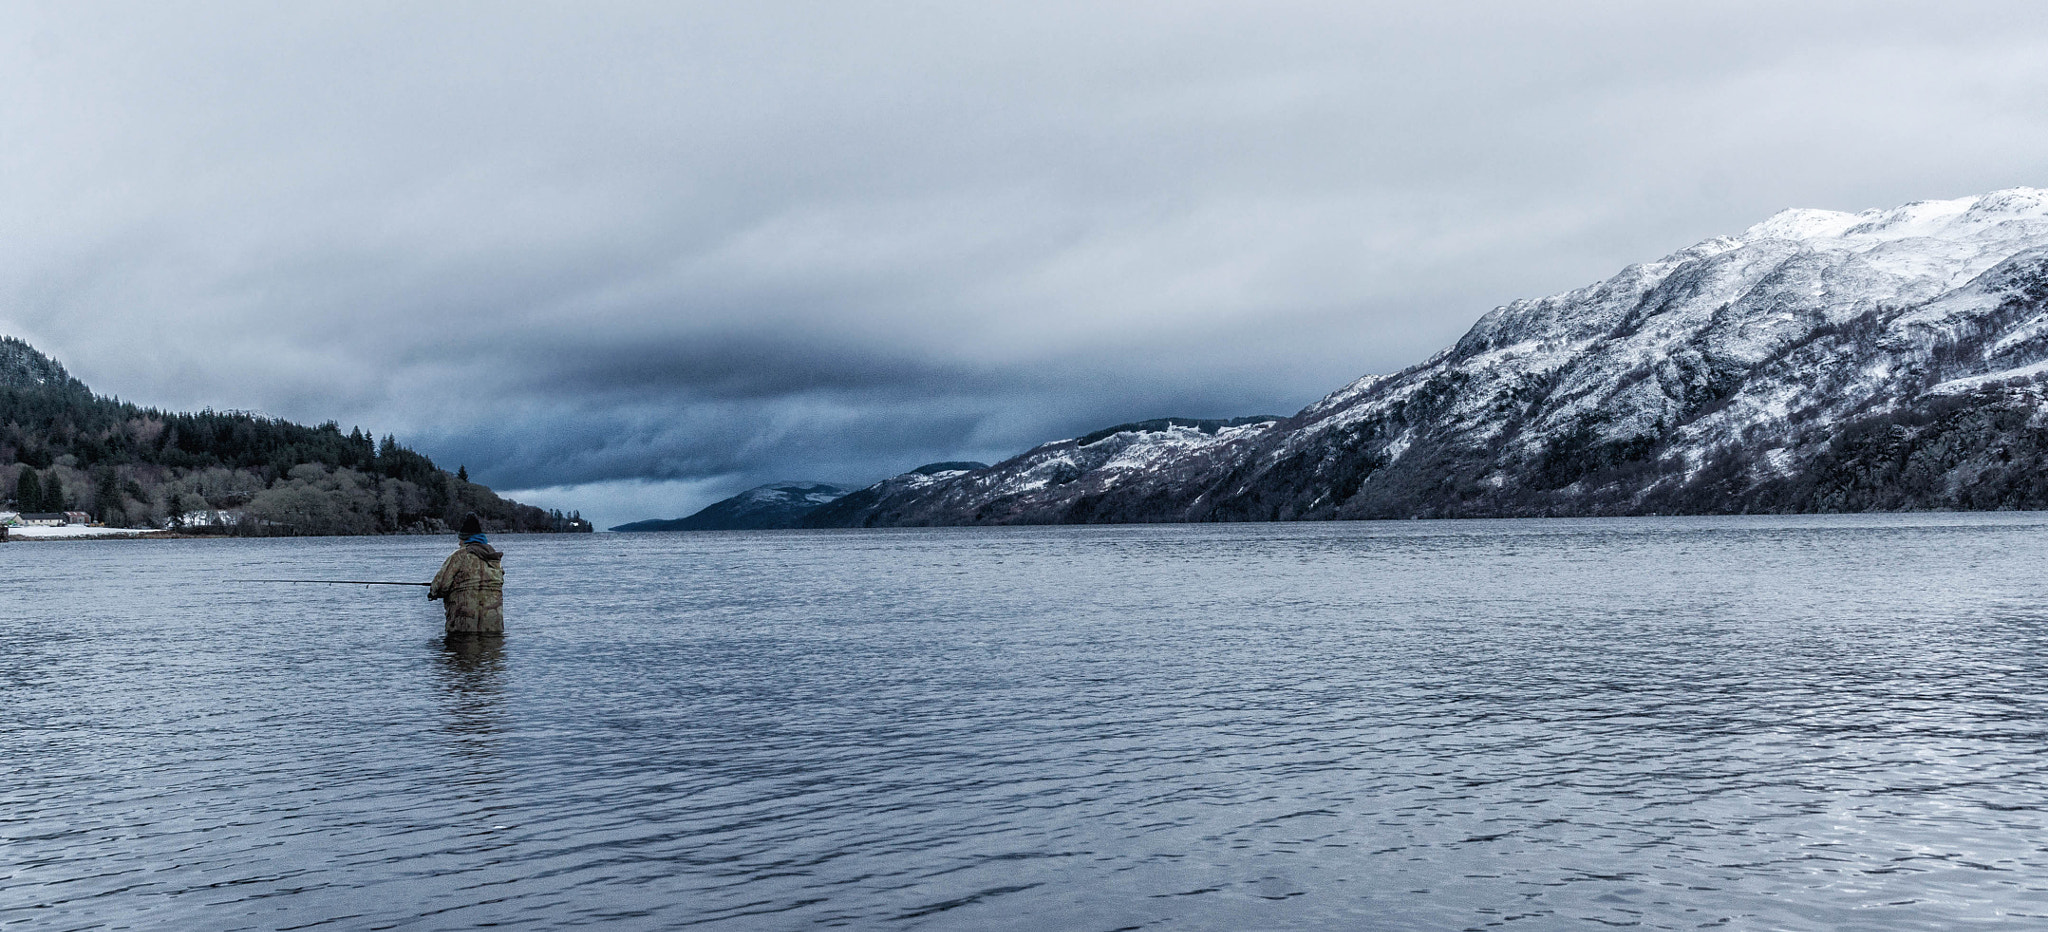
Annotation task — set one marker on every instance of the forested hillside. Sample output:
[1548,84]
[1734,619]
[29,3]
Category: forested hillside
[63,448]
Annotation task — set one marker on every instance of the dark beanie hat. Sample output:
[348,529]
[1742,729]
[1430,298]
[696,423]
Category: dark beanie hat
[471,526]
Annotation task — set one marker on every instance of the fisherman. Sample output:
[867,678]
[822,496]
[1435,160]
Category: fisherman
[471,584]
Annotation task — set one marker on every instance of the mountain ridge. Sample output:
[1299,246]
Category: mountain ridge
[1820,360]
[774,506]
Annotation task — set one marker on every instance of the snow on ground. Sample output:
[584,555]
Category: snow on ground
[1804,223]
[1974,382]
[73,532]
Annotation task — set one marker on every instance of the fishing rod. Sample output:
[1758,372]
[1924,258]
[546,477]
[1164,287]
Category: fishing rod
[337,582]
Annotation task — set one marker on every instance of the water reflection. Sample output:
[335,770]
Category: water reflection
[476,660]
[471,680]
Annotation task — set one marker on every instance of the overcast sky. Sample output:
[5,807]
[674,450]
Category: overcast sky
[633,257]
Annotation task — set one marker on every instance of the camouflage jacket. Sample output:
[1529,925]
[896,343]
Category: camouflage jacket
[471,585]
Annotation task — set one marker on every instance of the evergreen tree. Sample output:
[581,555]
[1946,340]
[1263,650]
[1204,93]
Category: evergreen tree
[107,493]
[28,493]
[462,473]
[53,495]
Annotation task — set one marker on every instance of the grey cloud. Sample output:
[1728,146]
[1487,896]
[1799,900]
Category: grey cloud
[858,433]
[771,364]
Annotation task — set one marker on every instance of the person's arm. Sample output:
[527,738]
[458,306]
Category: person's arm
[446,580]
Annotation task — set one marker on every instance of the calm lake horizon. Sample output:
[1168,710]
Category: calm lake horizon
[1766,722]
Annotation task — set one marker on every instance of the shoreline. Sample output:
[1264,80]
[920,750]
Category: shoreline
[43,535]
[81,532]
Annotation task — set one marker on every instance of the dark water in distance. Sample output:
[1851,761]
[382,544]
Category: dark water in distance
[1753,723]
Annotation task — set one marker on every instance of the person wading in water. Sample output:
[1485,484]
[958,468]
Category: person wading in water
[471,585]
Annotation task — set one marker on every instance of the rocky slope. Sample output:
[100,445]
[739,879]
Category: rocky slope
[1818,361]
[767,507]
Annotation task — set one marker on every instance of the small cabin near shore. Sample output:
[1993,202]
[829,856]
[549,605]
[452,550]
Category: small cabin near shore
[77,517]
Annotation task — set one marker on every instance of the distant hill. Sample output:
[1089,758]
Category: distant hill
[767,507]
[852,509]
[63,448]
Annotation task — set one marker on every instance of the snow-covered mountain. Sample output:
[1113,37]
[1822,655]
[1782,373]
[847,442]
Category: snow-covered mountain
[1818,361]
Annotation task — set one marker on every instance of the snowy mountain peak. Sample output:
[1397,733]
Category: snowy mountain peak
[2013,202]
[1802,223]
[1918,219]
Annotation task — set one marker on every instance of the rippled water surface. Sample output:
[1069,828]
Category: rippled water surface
[1662,723]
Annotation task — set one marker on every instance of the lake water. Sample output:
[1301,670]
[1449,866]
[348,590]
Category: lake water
[1745,723]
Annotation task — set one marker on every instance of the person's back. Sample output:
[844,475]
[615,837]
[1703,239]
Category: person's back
[471,584]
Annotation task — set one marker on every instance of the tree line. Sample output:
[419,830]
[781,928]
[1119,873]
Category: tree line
[63,448]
